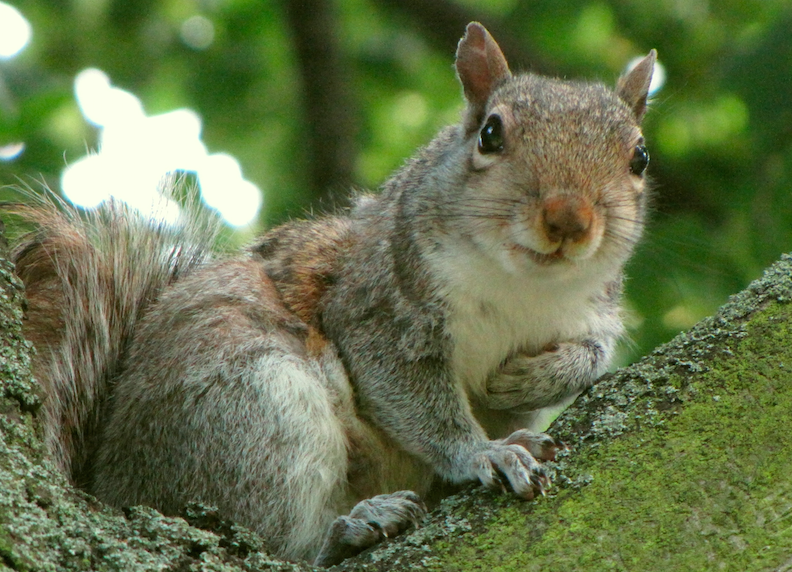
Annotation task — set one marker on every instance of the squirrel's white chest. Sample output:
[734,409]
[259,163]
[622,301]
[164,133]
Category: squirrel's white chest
[492,314]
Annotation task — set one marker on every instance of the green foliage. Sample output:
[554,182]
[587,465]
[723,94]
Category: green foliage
[719,132]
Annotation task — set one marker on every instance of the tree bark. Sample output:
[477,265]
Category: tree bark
[680,462]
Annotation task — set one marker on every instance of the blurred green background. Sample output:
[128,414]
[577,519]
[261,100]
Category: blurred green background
[314,98]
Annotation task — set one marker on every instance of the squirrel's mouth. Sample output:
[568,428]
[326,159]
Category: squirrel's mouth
[540,258]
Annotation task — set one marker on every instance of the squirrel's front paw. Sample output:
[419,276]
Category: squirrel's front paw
[514,383]
[369,522]
[515,459]
[530,382]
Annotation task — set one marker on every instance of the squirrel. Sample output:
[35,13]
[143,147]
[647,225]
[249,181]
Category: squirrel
[313,386]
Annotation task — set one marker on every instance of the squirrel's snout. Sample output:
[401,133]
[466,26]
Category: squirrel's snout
[567,218]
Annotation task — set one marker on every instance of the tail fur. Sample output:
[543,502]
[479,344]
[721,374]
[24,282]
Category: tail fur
[89,278]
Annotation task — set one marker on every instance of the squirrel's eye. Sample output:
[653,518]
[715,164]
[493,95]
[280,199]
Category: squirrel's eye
[491,135]
[640,160]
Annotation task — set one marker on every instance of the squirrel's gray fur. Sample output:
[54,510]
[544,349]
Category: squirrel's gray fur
[357,356]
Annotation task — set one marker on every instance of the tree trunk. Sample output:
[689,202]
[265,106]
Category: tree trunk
[680,462]
[328,102]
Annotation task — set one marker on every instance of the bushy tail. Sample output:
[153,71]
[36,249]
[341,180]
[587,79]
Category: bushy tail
[89,279]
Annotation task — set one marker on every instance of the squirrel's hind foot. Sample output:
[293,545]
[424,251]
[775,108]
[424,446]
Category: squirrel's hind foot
[369,522]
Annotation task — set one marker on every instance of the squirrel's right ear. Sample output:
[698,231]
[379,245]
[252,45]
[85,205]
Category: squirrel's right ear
[480,66]
[633,87]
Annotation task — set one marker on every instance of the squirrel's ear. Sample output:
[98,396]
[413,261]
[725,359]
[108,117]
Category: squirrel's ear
[633,87]
[480,65]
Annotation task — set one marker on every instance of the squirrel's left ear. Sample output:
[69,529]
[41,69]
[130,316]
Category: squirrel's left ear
[633,87]
[481,66]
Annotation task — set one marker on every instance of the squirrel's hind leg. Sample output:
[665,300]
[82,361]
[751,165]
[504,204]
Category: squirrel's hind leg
[316,412]
[255,434]
[307,455]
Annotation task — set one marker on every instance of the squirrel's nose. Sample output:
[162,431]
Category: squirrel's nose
[566,217]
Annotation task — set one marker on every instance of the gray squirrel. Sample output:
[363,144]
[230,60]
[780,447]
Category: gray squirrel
[314,386]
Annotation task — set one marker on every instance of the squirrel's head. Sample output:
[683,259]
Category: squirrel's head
[558,165]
